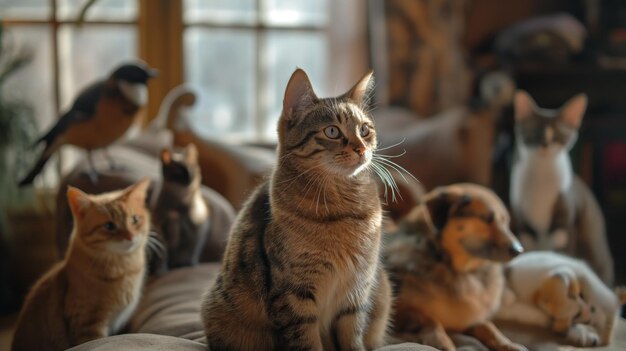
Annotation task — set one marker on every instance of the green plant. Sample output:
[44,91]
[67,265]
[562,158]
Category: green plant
[18,130]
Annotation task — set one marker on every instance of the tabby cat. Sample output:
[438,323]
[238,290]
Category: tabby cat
[302,269]
[94,290]
[180,212]
[553,208]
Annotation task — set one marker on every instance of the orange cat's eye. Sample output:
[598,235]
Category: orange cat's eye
[110,226]
[332,132]
[134,219]
[364,130]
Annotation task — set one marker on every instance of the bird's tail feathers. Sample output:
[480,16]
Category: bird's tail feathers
[45,156]
[34,172]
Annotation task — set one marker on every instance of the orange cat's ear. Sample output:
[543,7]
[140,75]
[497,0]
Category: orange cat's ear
[360,92]
[166,156]
[78,201]
[191,153]
[573,110]
[524,105]
[138,191]
[298,95]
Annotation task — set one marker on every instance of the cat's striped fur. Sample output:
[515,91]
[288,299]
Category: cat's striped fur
[302,269]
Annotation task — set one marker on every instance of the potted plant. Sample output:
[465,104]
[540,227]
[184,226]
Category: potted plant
[17,133]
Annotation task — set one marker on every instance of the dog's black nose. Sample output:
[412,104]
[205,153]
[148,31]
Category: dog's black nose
[516,249]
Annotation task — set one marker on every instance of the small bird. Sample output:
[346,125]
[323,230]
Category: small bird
[101,114]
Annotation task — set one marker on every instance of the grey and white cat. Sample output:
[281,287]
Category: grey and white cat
[553,208]
[180,212]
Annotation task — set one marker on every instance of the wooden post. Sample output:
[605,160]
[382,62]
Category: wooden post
[161,46]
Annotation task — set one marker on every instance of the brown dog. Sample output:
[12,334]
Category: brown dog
[446,262]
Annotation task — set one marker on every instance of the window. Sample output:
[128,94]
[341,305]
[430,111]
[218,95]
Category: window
[66,58]
[240,54]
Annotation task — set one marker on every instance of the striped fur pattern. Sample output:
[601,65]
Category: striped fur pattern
[302,269]
[91,293]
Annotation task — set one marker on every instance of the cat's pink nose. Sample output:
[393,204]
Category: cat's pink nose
[128,236]
[360,150]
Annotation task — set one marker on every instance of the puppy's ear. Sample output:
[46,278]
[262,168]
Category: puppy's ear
[438,208]
[442,204]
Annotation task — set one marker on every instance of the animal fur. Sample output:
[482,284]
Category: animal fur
[562,293]
[181,213]
[553,208]
[446,263]
[92,293]
[301,269]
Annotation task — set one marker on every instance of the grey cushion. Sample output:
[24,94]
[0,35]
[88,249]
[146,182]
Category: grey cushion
[141,342]
[171,306]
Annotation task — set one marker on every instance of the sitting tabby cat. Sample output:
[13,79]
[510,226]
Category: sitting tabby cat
[180,212]
[553,208]
[94,290]
[301,269]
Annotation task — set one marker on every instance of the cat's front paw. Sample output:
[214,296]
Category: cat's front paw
[582,336]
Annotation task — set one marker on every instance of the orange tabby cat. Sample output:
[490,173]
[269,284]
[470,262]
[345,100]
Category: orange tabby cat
[94,290]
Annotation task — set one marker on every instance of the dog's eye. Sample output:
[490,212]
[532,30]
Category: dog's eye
[490,217]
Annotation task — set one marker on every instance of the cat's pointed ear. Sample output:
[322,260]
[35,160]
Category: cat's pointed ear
[138,191]
[298,95]
[573,110]
[361,91]
[524,105]
[166,156]
[78,201]
[191,153]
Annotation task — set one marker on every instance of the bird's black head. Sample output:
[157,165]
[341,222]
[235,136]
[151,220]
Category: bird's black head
[135,72]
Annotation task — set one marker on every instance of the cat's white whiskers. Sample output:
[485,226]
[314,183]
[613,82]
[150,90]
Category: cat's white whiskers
[383,177]
[387,178]
[396,167]
[391,156]
[390,146]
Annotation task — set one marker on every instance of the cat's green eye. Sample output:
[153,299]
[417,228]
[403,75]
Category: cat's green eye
[110,226]
[332,132]
[364,130]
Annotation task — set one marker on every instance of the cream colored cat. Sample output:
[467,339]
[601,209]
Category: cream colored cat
[94,290]
[548,289]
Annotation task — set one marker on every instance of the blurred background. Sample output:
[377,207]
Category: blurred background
[432,58]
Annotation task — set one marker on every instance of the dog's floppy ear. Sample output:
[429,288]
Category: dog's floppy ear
[442,204]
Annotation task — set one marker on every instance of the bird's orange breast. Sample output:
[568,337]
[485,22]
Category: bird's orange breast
[113,117]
